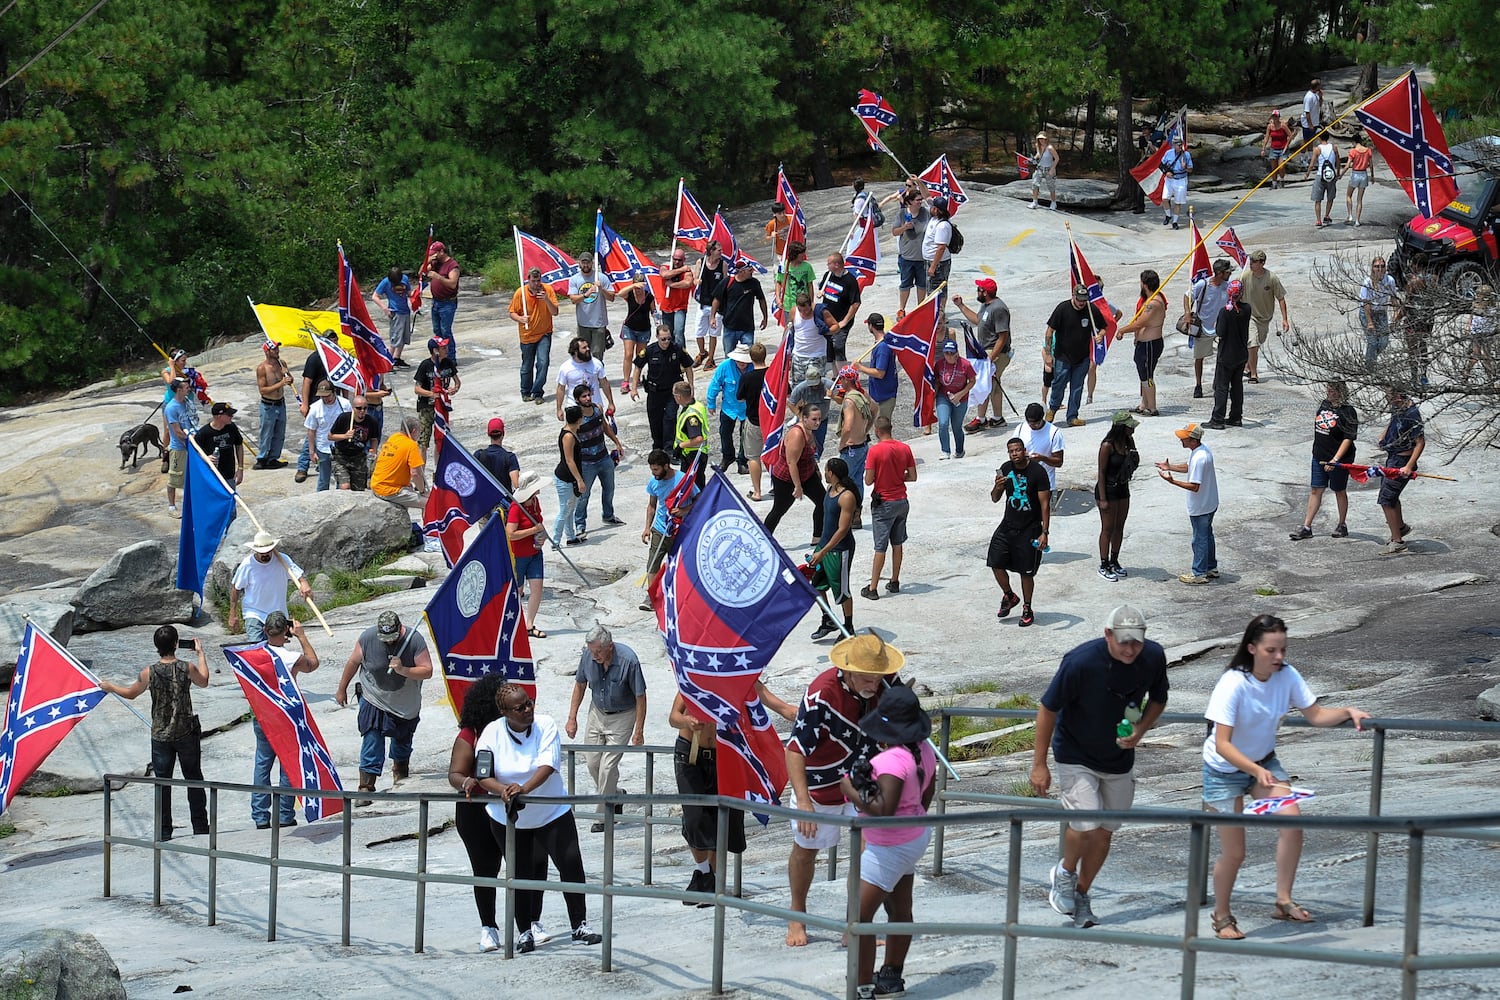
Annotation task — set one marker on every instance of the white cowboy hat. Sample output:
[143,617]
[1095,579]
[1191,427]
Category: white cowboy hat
[530,486]
[263,541]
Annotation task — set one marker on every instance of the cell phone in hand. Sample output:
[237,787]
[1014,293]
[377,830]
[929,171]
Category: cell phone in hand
[484,764]
[187,644]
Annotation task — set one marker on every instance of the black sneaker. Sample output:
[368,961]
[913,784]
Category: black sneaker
[1108,572]
[527,944]
[1342,531]
[613,520]
[1007,602]
[888,982]
[583,934]
[1305,532]
[1120,571]
[1197,392]
[824,630]
[1027,618]
[695,884]
[893,587]
[870,593]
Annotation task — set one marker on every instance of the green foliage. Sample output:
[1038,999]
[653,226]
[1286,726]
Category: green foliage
[7,829]
[1014,742]
[1461,41]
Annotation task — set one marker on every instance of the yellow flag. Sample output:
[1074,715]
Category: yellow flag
[295,327]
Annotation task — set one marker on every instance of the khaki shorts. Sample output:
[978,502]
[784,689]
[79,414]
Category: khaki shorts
[1001,363]
[1204,347]
[886,408]
[176,468]
[1259,330]
[1082,787]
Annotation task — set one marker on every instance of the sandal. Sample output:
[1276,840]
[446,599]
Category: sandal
[1293,911]
[1142,411]
[1226,928]
[536,633]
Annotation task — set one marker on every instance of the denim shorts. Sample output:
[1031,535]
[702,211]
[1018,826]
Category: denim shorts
[1335,479]
[529,567]
[913,273]
[1221,788]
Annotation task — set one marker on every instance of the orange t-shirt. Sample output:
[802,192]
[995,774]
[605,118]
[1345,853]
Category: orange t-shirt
[398,456]
[776,232]
[531,306]
[1359,158]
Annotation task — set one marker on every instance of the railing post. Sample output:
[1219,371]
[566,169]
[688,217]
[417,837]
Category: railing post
[946,724]
[833,862]
[721,857]
[274,867]
[607,916]
[156,803]
[1198,835]
[1372,839]
[851,915]
[650,791]
[108,833]
[422,815]
[510,881]
[1412,932]
[1012,907]
[213,856]
[347,880]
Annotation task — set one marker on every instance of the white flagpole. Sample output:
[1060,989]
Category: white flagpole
[881,145]
[521,267]
[676,218]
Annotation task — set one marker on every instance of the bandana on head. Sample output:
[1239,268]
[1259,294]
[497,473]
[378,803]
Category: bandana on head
[849,372]
[1236,287]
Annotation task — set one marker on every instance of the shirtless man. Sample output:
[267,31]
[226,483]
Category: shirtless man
[856,418]
[1151,313]
[271,378]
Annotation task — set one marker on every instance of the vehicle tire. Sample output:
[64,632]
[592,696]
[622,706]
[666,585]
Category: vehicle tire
[1464,277]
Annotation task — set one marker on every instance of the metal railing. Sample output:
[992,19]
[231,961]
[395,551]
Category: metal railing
[1482,827]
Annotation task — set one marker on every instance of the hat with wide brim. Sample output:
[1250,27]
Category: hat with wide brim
[263,541]
[530,486]
[741,353]
[898,719]
[867,654]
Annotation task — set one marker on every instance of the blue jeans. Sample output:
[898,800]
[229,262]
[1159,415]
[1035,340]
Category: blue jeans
[566,502]
[372,751]
[602,471]
[677,323]
[735,337]
[534,360]
[304,458]
[442,323]
[951,414]
[1379,338]
[1205,555]
[165,756]
[272,431]
[260,802]
[855,458]
[325,471]
[1072,377]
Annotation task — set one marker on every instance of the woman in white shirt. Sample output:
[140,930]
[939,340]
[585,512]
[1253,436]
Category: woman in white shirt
[527,752]
[1239,756]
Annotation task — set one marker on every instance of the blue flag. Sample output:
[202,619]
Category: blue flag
[207,510]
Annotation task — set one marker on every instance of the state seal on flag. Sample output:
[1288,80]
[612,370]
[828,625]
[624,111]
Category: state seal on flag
[459,478]
[469,594]
[736,561]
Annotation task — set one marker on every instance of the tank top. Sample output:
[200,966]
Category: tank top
[806,465]
[171,701]
[1279,137]
[831,515]
[562,471]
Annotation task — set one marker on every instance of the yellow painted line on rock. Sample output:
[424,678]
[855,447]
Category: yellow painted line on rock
[987,270]
[1021,236]
[1104,236]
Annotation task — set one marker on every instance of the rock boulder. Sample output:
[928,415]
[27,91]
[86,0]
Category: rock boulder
[335,529]
[138,586]
[59,964]
[54,619]
[1489,704]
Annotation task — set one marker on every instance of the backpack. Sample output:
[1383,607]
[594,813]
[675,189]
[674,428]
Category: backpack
[1327,172]
[877,217]
[956,241]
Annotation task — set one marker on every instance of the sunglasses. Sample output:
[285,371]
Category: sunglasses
[523,706]
[359,407]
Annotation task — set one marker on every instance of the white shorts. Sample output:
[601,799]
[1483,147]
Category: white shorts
[1175,190]
[1082,787]
[704,314]
[884,866]
[827,834]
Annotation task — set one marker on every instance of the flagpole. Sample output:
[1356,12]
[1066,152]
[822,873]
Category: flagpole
[78,665]
[521,270]
[286,561]
[676,217]
[881,145]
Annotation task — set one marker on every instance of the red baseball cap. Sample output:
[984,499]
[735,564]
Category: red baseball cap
[437,247]
[986,285]
[497,426]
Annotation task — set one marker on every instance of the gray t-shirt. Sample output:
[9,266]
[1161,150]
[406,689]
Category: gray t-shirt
[909,244]
[383,687]
[615,689]
[1209,300]
[994,319]
[587,313]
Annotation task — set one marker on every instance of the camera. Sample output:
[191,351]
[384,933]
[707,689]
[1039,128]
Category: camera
[187,644]
[862,776]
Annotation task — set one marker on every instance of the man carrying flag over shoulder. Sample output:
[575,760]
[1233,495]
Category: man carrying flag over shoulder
[669,496]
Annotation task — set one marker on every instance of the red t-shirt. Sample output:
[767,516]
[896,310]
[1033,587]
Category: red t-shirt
[446,269]
[890,460]
[676,299]
[520,548]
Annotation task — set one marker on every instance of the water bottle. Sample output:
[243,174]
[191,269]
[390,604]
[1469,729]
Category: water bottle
[1124,729]
[1036,543]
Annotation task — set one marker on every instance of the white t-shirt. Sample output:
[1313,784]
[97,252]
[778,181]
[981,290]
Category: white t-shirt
[1312,109]
[1378,296]
[320,418]
[857,206]
[807,342]
[1046,163]
[264,584]
[1209,300]
[1201,471]
[1045,440]
[517,758]
[939,233]
[572,373]
[1254,709]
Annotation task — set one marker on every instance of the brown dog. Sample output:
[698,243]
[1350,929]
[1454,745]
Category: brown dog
[137,441]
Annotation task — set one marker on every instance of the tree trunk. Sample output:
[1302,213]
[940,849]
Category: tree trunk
[1090,120]
[1125,135]
[1369,73]
[822,169]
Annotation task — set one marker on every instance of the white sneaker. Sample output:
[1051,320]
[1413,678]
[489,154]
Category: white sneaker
[1063,890]
[173,512]
[1032,205]
[489,939]
[539,933]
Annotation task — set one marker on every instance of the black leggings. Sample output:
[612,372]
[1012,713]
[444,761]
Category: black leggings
[782,500]
[486,852]
[558,840]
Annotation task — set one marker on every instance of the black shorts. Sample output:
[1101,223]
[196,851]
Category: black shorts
[1112,491]
[1146,356]
[1017,553]
[700,825]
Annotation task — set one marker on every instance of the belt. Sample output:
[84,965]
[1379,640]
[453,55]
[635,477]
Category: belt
[605,711]
[272,402]
[853,447]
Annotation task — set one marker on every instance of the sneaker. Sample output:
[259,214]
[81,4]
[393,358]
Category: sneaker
[695,884]
[824,630]
[1032,205]
[614,520]
[1077,422]
[173,512]
[1006,603]
[865,992]
[888,982]
[1166,220]
[1027,618]
[583,934]
[1120,571]
[956,455]
[598,826]
[1391,548]
[1175,227]
[1064,891]
[869,593]
[300,477]
[1108,572]
[526,945]
[1305,532]
[975,425]
[893,586]
[1342,531]
[401,362]
[539,933]
[1197,392]
[1050,415]
[1191,578]
[1083,913]
[489,939]
[646,606]
[538,399]
[1212,574]
[1215,425]
[1405,529]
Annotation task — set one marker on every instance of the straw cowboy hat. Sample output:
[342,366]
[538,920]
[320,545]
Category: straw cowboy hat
[263,541]
[867,654]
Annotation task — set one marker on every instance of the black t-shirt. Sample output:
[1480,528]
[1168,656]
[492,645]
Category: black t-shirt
[1090,693]
[840,293]
[1332,426]
[1233,335]
[500,461]
[1073,331]
[638,314]
[663,368]
[314,370]
[219,445]
[737,302]
[359,444]
[752,381]
[709,282]
[428,374]
[1022,499]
